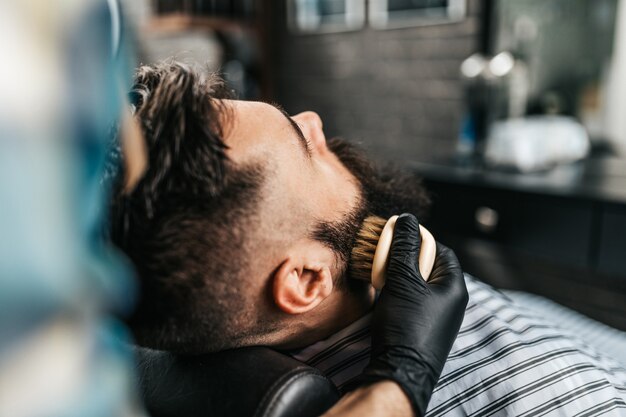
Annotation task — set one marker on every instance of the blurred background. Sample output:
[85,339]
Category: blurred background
[399,62]
[510,110]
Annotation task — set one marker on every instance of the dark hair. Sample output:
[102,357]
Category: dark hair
[184,225]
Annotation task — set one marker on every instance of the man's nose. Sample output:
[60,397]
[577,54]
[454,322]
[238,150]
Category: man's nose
[312,127]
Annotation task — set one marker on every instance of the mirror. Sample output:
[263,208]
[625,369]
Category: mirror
[324,16]
[389,14]
[571,54]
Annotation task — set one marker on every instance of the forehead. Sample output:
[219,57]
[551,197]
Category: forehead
[255,130]
[257,133]
[299,187]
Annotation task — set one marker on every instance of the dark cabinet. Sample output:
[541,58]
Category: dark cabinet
[553,229]
[566,241]
[612,249]
[472,212]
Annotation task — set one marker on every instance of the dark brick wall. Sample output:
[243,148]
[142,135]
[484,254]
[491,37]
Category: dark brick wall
[397,91]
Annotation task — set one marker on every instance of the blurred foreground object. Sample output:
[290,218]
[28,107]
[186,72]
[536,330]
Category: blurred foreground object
[61,352]
[536,143]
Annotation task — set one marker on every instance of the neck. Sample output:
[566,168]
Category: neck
[333,314]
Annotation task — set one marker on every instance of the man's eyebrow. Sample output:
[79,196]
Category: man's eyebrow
[303,140]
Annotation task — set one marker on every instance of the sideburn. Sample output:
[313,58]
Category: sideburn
[385,192]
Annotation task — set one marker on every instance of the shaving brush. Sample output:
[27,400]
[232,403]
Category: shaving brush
[369,257]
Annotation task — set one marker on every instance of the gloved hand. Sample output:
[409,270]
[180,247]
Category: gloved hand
[415,322]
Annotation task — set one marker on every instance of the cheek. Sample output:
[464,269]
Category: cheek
[287,210]
[338,188]
[303,192]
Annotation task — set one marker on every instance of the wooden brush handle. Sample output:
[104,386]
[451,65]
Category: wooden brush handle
[428,251]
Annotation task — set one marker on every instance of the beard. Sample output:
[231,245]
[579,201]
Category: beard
[385,191]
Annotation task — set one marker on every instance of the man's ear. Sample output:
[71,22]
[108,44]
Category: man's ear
[304,279]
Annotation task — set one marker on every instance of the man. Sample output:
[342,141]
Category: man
[232,250]
[241,231]
[261,221]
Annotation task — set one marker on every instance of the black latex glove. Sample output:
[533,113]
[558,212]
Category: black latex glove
[415,322]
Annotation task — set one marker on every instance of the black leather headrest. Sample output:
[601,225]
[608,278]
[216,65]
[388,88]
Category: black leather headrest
[255,382]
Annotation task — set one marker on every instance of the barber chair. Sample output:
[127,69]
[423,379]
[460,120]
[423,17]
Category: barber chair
[251,382]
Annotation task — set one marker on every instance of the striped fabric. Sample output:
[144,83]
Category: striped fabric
[606,339]
[508,360]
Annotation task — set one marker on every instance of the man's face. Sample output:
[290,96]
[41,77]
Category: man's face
[306,182]
[309,209]
[312,199]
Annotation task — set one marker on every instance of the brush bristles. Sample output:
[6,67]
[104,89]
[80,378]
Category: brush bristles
[364,248]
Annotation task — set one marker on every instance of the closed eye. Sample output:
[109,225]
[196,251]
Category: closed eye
[306,144]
